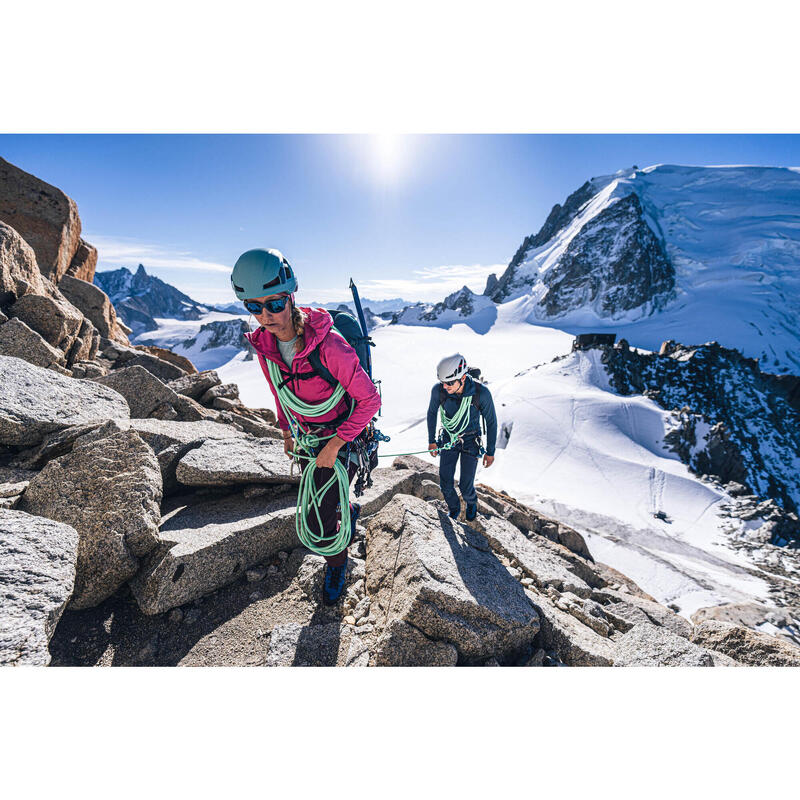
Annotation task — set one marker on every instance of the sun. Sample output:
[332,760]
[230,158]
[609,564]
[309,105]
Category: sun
[388,157]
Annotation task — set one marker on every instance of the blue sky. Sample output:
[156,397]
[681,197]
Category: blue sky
[410,216]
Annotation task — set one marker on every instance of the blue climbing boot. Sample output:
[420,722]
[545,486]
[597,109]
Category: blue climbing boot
[472,511]
[332,588]
[454,513]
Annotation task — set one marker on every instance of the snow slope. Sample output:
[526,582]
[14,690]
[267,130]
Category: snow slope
[576,451]
[732,235]
[174,333]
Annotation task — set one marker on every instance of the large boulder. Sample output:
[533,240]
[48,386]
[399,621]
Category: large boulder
[255,422]
[171,440]
[60,443]
[19,273]
[50,315]
[209,544]
[20,341]
[84,348]
[44,216]
[531,555]
[634,609]
[163,370]
[226,462]
[441,578]
[36,402]
[94,303]
[188,410]
[197,384]
[141,389]
[109,490]
[37,573]
[401,643]
[181,362]
[84,262]
[386,483]
[576,644]
[745,645]
[646,645]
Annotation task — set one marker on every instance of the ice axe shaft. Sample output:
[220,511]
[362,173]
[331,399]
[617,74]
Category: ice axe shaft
[362,322]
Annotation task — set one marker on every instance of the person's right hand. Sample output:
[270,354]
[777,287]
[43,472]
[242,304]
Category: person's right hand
[433,449]
[287,446]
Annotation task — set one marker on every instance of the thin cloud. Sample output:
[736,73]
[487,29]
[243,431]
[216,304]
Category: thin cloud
[129,252]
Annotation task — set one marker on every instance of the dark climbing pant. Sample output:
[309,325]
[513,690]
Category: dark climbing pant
[447,470]
[328,511]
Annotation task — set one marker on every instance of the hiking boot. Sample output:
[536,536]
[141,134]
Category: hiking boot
[472,511]
[454,514]
[332,588]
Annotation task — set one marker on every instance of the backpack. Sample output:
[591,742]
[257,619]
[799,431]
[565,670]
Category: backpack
[346,325]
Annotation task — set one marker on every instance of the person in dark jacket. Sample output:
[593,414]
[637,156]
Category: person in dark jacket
[464,399]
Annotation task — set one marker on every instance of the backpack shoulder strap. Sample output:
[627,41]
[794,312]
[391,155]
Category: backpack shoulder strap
[315,360]
[476,399]
[442,395]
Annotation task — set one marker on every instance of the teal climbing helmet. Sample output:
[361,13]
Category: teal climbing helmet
[260,272]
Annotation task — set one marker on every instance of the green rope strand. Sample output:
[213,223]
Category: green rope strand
[456,425]
[453,426]
[310,498]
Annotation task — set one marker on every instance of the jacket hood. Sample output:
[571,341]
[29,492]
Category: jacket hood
[317,326]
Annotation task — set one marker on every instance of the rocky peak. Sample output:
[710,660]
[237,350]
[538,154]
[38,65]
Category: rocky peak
[460,306]
[139,298]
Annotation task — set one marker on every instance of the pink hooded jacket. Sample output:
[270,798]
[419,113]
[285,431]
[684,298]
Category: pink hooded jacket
[342,362]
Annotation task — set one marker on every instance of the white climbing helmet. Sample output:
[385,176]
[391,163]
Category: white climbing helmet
[451,368]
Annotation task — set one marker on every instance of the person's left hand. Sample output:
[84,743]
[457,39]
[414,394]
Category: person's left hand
[327,457]
[488,461]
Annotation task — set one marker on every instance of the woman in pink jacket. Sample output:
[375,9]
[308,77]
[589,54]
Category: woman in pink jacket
[266,283]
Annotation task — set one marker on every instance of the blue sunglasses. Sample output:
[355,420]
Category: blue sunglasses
[273,306]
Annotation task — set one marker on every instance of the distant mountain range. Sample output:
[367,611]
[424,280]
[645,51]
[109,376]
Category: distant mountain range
[384,308]
[140,298]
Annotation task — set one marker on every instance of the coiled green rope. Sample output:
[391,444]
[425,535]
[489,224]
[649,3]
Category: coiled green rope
[310,498]
[456,425]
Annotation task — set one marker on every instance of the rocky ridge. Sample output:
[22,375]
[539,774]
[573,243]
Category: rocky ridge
[139,298]
[461,306]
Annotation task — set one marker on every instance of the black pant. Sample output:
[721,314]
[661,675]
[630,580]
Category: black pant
[328,509]
[448,459]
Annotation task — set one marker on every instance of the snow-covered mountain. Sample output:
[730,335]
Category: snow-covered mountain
[465,306]
[140,298]
[694,254]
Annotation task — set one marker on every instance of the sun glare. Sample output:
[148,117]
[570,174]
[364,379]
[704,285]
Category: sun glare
[388,156]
